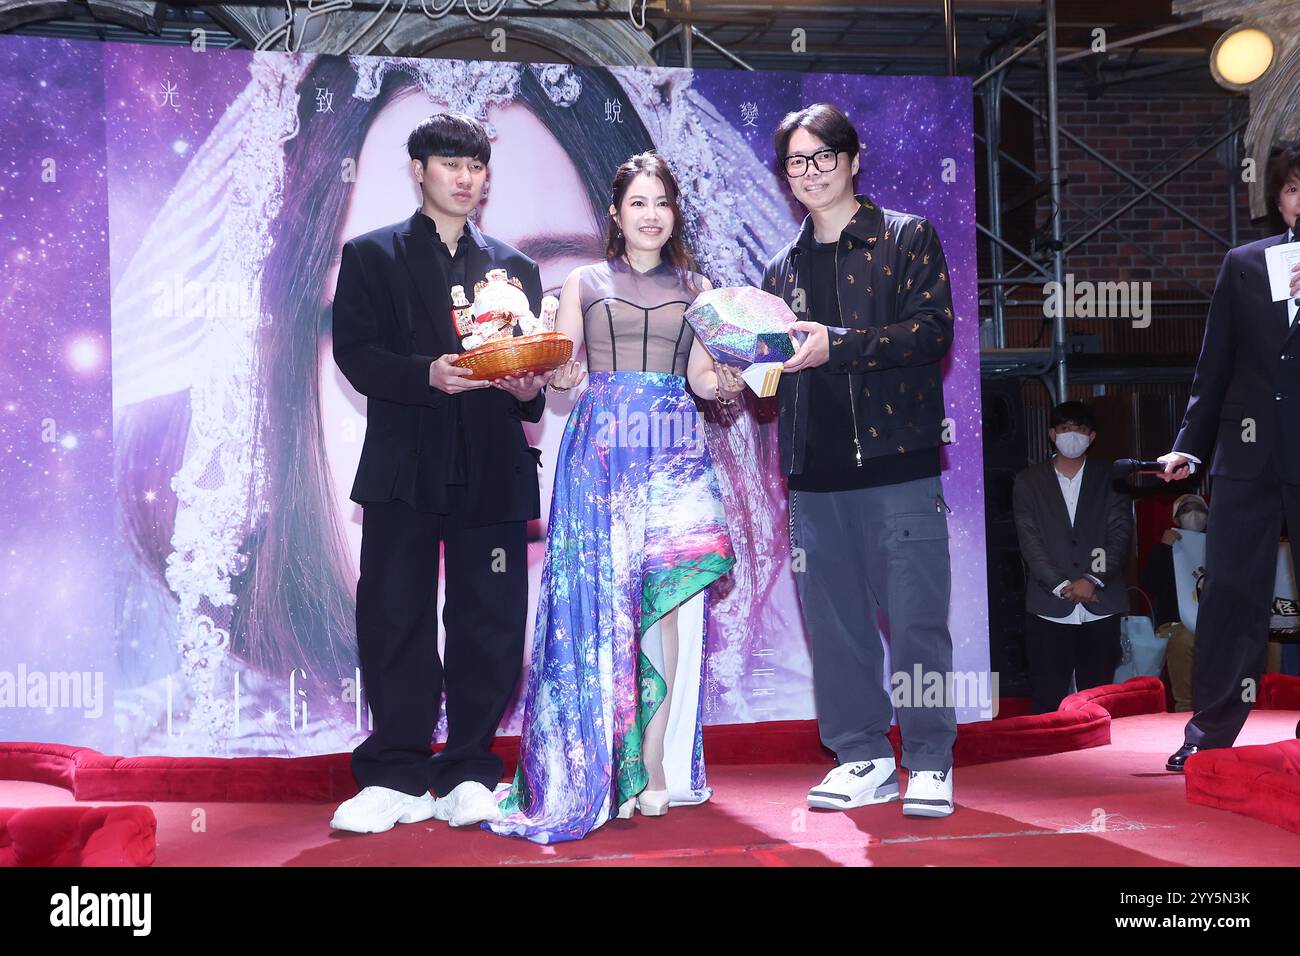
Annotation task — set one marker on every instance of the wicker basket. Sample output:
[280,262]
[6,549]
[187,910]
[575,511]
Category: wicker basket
[522,355]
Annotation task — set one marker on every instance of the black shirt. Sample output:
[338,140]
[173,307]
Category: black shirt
[453,269]
[830,462]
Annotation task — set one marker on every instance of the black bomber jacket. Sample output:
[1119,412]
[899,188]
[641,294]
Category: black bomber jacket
[896,302]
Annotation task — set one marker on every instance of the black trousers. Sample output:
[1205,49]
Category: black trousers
[1236,601]
[1090,652]
[397,642]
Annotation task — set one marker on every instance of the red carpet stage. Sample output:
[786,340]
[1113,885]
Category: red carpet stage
[1088,788]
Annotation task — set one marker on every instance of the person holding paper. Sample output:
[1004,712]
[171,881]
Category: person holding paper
[861,424]
[1245,405]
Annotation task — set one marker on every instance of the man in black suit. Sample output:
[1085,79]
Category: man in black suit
[1245,403]
[445,462]
[1074,529]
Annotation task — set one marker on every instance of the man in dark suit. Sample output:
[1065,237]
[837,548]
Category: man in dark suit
[1245,404]
[1074,529]
[445,462]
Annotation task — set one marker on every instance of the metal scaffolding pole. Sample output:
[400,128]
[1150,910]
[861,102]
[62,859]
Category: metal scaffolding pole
[1054,183]
[992,100]
[949,37]
[1010,59]
[999,242]
[1232,153]
[687,34]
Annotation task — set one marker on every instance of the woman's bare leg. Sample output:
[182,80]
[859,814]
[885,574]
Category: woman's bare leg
[652,745]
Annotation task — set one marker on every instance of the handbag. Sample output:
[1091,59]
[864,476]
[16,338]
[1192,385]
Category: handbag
[1142,650]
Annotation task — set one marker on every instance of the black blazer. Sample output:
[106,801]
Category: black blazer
[1248,372]
[1055,551]
[392,319]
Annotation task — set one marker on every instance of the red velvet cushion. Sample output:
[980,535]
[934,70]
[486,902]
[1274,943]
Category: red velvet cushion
[1261,782]
[1137,695]
[91,775]
[1279,692]
[55,764]
[77,836]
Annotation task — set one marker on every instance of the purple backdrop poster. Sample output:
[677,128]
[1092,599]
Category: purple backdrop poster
[181,527]
[57,657]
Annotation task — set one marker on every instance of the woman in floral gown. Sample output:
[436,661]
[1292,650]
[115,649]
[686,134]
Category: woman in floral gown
[637,535]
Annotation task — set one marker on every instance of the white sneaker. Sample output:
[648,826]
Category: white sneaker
[929,793]
[856,784]
[468,803]
[376,809]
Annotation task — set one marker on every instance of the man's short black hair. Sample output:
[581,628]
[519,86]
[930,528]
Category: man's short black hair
[449,134]
[1073,413]
[824,121]
[1283,163]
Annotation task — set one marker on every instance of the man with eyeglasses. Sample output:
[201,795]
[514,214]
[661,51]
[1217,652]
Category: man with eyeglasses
[861,423]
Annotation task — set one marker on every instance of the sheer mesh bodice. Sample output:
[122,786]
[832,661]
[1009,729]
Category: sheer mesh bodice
[632,321]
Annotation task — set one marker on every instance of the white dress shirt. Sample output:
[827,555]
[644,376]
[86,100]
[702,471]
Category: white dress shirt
[1070,488]
[1292,304]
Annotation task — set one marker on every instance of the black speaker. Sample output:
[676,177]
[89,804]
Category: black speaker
[1006,454]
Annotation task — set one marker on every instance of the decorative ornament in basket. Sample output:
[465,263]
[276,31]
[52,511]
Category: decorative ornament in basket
[501,335]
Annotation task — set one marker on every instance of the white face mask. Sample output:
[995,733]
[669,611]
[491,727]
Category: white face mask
[1193,520]
[1072,444]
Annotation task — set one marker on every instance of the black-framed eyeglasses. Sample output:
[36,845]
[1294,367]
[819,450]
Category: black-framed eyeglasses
[796,164]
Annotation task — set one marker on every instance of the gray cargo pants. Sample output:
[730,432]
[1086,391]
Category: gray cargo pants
[885,548]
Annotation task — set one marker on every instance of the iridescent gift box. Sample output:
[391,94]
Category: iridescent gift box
[746,328]
[742,326]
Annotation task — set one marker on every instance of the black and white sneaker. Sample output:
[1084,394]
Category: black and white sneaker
[929,793]
[856,784]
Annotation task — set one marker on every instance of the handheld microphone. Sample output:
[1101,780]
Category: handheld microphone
[1132,466]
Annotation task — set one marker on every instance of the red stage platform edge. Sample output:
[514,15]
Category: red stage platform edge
[1082,721]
